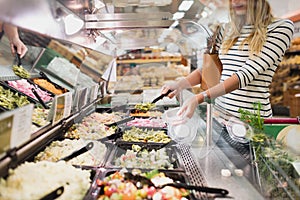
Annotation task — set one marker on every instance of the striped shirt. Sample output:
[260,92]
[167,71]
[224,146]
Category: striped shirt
[255,73]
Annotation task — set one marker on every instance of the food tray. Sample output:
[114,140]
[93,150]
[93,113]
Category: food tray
[35,86]
[64,90]
[142,138]
[155,112]
[167,159]
[100,163]
[43,173]
[148,123]
[7,87]
[175,176]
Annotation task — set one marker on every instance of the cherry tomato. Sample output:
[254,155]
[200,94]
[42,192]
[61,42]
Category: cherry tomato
[151,191]
[100,182]
[108,190]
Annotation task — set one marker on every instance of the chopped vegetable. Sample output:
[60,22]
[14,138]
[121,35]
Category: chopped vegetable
[20,71]
[144,107]
[11,100]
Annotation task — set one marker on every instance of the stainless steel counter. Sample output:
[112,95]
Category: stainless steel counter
[222,155]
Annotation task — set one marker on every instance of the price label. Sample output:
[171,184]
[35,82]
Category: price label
[94,93]
[80,98]
[15,127]
[61,107]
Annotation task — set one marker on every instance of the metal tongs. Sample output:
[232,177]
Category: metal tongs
[120,122]
[145,180]
[161,96]
[76,153]
[39,98]
[18,57]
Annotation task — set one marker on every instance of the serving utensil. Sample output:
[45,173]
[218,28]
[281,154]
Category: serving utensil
[120,122]
[54,194]
[161,96]
[144,180]
[39,98]
[76,153]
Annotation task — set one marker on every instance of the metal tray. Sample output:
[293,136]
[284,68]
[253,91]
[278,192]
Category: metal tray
[7,87]
[175,176]
[101,163]
[143,140]
[64,90]
[36,86]
[171,159]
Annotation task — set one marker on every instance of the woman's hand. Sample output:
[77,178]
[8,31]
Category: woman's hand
[188,108]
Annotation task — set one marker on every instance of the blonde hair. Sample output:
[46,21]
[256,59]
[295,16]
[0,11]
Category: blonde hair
[260,16]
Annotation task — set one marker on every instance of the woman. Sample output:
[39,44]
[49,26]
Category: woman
[14,39]
[250,48]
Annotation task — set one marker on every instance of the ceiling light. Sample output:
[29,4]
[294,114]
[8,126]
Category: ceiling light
[174,24]
[99,4]
[185,5]
[178,15]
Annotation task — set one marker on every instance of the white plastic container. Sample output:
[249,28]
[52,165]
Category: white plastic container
[181,130]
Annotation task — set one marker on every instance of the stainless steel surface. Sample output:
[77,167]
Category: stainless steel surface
[215,160]
[128,24]
[129,16]
[209,122]
[195,174]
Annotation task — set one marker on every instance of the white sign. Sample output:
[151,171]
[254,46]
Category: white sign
[94,93]
[15,127]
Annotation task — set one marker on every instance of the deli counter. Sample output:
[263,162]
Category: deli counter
[78,120]
[79,141]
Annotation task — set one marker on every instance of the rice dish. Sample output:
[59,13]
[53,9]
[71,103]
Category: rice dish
[34,180]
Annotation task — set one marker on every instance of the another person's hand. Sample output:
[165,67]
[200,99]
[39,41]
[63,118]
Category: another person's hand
[17,44]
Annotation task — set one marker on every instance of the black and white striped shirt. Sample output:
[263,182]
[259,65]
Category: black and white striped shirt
[255,73]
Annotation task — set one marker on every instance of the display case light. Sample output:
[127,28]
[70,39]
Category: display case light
[73,24]
[174,24]
[185,5]
[178,15]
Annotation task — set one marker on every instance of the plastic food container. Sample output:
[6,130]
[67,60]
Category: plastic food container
[179,129]
[238,130]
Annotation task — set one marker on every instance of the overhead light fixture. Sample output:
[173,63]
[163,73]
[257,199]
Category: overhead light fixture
[178,15]
[72,22]
[185,5]
[99,4]
[174,24]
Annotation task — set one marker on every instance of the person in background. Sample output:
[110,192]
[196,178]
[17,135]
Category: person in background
[16,45]
[250,47]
